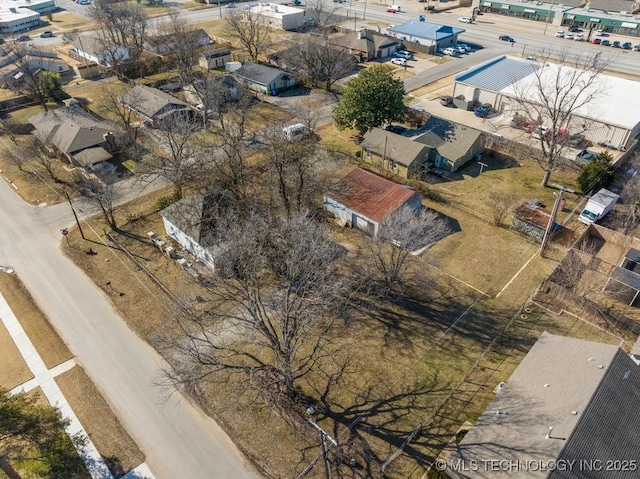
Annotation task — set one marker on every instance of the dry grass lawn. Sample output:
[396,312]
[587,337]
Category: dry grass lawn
[68,21]
[112,441]
[13,370]
[51,348]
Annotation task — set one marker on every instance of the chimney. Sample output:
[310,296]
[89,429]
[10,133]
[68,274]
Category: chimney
[362,34]
[548,436]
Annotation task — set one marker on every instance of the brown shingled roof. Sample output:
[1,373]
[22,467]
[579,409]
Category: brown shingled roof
[371,195]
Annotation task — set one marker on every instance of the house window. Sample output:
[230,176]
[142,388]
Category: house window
[394,165]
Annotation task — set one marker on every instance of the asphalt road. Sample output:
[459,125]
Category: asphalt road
[178,440]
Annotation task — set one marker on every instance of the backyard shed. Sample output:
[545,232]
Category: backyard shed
[532,219]
[363,200]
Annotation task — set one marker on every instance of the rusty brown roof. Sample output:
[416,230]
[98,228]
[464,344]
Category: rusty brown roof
[371,195]
[533,214]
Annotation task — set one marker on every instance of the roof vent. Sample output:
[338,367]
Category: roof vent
[500,412]
[574,413]
[547,385]
[548,436]
[626,374]
[590,359]
[600,366]
[499,387]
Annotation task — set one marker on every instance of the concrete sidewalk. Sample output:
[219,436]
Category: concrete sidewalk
[45,379]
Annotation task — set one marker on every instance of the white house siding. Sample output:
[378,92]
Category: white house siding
[188,243]
[350,217]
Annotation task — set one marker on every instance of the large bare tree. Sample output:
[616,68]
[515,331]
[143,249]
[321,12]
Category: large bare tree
[111,100]
[321,62]
[293,173]
[251,30]
[324,13]
[558,95]
[401,234]
[120,25]
[277,294]
[182,42]
[26,79]
[176,154]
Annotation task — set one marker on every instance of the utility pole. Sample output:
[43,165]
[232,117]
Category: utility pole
[74,215]
[552,219]
[325,448]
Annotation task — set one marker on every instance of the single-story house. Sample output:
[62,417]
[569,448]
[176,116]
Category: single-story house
[264,79]
[363,200]
[214,58]
[432,35]
[170,42]
[34,59]
[89,47]
[532,219]
[452,144]
[278,16]
[154,106]
[217,89]
[395,153]
[568,410]
[366,44]
[191,222]
[83,139]
[611,116]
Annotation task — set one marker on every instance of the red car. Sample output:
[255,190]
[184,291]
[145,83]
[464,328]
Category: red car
[597,41]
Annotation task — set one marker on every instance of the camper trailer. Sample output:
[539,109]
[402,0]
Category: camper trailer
[295,132]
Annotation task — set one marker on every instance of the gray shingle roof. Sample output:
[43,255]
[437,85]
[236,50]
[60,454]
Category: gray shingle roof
[70,129]
[431,31]
[588,392]
[452,140]
[498,73]
[150,101]
[260,74]
[196,216]
[364,41]
[393,147]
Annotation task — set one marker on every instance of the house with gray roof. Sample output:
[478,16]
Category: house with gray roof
[262,78]
[367,44]
[83,139]
[192,222]
[154,106]
[568,411]
[394,153]
[169,43]
[432,35]
[452,144]
[89,47]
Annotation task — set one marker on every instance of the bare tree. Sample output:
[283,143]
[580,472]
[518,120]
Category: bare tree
[631,200]
[102,193]
[292,172]
[402,233]
[324,13]
[252,31]
[111,100]
[175,157]
[501,203]
[277,295]
[26,79]
[227,157]
[555,96]
[315,58]
[182,42]
[120,25]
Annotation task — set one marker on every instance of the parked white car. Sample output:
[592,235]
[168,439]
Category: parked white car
[560,34]
[568,36]
[399,61]
[465,19]
[466,47]
[460,50]
[403,54]
[449,51]
[578,37]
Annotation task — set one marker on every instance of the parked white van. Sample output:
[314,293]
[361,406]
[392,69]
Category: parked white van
[295,132]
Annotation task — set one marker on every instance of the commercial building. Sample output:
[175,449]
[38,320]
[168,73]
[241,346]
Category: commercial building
[432,35]
[611,117]
[280,16]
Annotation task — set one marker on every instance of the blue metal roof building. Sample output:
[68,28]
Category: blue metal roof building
[498,73]
[425,33]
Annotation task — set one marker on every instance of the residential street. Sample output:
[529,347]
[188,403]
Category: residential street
[178,440]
